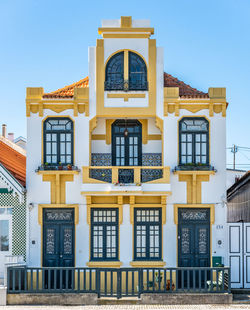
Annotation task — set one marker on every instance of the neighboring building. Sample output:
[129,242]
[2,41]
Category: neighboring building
[238,217]
[233,175]
[12,203]
[21,141]
[126,167]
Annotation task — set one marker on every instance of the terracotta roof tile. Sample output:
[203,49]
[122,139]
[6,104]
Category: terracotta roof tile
[13,160]
[186,91]
[67,91]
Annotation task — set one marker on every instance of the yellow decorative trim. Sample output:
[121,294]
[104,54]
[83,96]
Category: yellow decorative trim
[126,21]
[126,35]
[217,93]
[126,97]
[104,206]
[194,180]
[125,66]
[105,264]
[152,75]
[154,137]
[109,122]
[126,193]
[147,264]
[98,137]
[58,181]
[159,123]
[137,173]
[144,123]
[147,205]
[103,30]
[35,103]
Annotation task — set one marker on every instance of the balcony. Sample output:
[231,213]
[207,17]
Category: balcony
[194,167]
[57,168]
[126,175]
[126,85]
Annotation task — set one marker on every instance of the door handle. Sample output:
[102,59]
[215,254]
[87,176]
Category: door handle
[60,256]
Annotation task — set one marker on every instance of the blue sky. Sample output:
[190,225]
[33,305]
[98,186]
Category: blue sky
[206,43]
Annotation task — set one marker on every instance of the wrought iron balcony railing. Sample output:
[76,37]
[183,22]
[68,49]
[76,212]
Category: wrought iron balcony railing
[125,85]
[126,174]
[194,167]
[57,168]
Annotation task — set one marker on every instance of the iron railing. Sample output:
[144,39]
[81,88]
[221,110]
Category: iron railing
[118,282]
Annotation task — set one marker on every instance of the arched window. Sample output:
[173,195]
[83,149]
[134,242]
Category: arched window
[137,72]
[114,72]
[194,141]
[58,141]
[126,71]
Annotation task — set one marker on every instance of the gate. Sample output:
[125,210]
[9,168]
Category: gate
[239,254]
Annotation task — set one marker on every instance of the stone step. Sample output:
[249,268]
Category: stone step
[114,301]
[241,298]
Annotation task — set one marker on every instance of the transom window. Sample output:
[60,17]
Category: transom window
[58,141]
[194,141]
[147,234]
[126,71]
[104,234]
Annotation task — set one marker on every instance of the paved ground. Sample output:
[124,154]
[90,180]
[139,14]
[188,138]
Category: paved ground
[139,307]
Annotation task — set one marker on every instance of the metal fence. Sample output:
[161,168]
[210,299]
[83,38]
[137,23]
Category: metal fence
[118,282]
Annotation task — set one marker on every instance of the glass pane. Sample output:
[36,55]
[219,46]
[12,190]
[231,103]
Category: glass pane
[62,148]
[197,148]
[204,138]
[183,148]
[183,137]
[68,149]
[4,235]
[204,149]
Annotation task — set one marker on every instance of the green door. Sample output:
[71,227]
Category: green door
[193,237]
[58,237]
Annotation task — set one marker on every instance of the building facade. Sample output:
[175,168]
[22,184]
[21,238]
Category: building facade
[126,167]
[13,213]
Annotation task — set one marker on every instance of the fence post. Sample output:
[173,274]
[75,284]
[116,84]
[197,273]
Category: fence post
[140,289]
[119,295]
[97,282]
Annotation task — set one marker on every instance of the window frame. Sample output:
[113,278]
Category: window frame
[126,82]
[129,123]
[7,217]
[194,133]
[58,141]
[148,224]
[104,241]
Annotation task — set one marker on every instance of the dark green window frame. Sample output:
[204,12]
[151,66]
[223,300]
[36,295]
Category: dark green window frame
[104,234]
[58,141]
[194,141]
[147,234]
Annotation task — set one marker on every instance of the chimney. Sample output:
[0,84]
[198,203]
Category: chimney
[11,136]
[4,130]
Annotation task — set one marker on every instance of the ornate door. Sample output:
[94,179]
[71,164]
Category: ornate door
[58,237]
[193,237]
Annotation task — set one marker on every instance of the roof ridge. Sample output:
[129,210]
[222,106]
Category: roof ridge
[14,146]
[67,87]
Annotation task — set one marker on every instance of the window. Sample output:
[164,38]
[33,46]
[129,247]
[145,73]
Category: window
[4,235]
[194,141]
[104,234]
[126,143]
[116,70]
[58,141]
[147,234]
[137,72]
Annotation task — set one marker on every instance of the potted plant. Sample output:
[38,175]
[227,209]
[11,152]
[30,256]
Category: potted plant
[46,166]
[69,167]
[60,167]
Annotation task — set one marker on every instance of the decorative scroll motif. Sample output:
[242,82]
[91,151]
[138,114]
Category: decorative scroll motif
[126,176]
[151,174]
[202,241]
[67,241]
[151,159]
[105,159]
[101,174]
[59,215]
[185,240]
[50,241]
[101,159]
[194,215]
